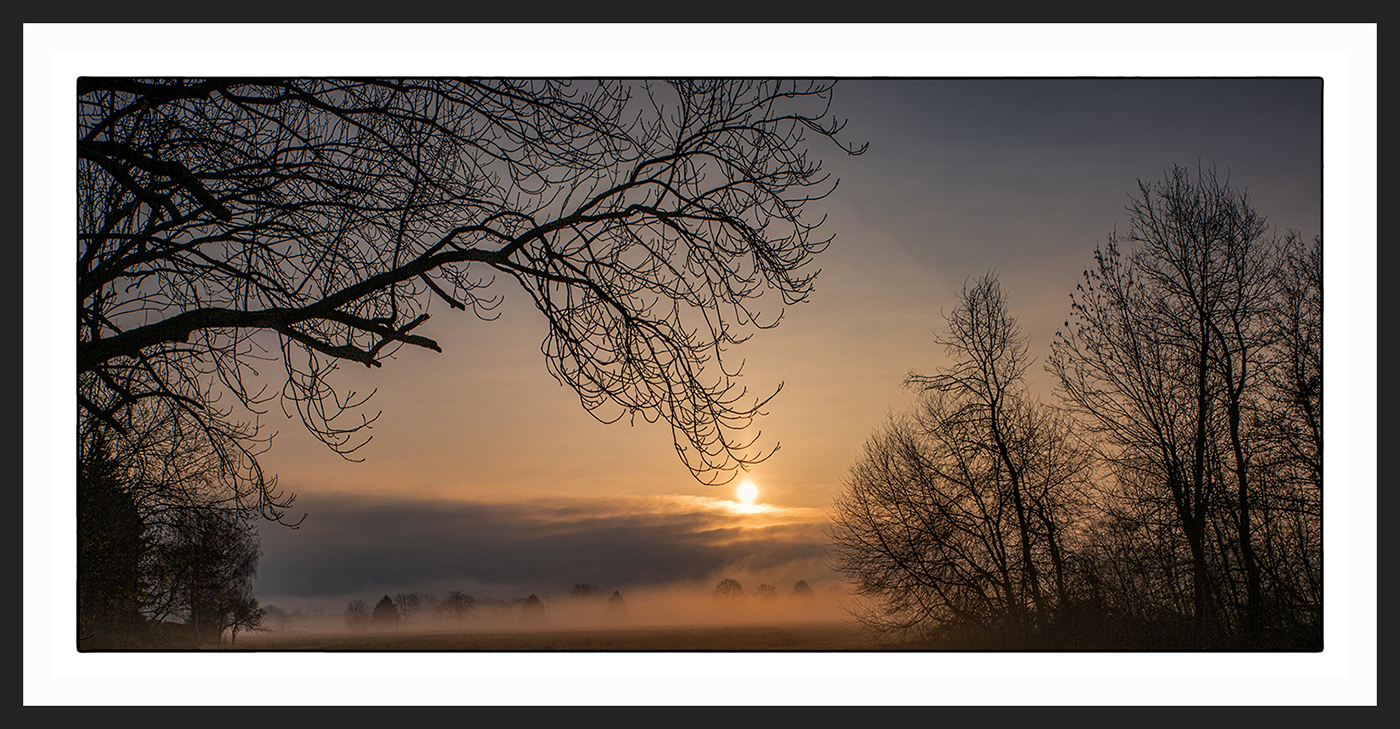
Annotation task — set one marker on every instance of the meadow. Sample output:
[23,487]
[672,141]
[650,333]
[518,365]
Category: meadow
[834,636]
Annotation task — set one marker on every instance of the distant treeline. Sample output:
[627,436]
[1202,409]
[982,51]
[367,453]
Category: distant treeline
[1170,498]
[409,610]
[458,609]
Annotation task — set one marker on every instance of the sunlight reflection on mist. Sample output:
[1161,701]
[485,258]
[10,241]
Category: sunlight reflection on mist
[739,507]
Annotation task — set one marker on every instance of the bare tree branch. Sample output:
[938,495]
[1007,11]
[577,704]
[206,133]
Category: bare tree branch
[647,221]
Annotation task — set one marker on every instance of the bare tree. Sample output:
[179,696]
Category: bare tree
[1296,369]
[307,223]
[1167,358]
[729,589]
[410,603]
[357,615]
[203,561]
[245,615]
[1289,445]
[457,606]
[959,514]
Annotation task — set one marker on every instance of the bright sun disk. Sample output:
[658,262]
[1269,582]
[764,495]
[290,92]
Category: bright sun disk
[748,492]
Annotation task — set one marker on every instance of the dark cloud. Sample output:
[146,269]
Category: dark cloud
[359,546]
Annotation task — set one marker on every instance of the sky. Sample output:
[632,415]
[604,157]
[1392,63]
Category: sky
[486,475]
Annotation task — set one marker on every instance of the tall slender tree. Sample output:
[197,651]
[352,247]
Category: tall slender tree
[959,515]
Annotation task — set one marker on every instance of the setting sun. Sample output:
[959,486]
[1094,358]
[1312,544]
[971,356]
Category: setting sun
[748,492]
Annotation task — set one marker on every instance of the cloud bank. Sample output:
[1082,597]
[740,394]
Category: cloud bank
[360,547]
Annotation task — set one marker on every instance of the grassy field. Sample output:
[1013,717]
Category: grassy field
[794,637]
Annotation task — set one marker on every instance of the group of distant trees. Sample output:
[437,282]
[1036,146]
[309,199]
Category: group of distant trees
[1172,497]
[616,605]
[406,610]
[457,609]
[163,560]
[729,589]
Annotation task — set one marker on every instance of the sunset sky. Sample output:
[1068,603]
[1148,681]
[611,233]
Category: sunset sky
[486,475]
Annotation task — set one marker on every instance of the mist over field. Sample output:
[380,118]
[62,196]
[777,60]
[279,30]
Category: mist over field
[674,607]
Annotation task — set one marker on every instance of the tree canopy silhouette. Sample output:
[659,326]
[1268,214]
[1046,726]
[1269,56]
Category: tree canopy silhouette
[532,610]
[231,227]
[1172,500]
[357,615]
[1194,355]
[409,605]
[386,613]
[958,516]
[112,545]
[617,607]
[457,606]
[205,562]
[729,589]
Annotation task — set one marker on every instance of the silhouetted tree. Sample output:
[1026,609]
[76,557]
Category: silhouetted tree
[801,588]
[357,615]
[957,515]
[617,607]
[245,614]
[767,591]
[532,610]
[316,219]
[386,614]
[729,589]
[1168,360]
[1289,437]
[1295,370]
[206,559]
[112,546]
[409,603]
[457,606]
